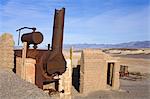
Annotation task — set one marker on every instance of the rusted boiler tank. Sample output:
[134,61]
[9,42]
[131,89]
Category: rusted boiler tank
[49,63]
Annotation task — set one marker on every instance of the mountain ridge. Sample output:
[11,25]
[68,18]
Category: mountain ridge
[133,44]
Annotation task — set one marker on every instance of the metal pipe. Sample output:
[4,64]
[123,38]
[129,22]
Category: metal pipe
[58,28]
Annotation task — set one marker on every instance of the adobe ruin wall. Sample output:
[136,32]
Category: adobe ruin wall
[6,51]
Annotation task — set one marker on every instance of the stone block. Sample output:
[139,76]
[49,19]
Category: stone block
[6,51]
[65,82]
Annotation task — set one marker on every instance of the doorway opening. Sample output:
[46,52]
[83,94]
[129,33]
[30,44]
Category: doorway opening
[76,77]
[110,70]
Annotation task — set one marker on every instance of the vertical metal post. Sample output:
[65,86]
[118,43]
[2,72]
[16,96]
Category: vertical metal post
[48,46]
[19,37]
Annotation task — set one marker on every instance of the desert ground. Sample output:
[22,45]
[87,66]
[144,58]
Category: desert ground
[136,86]
[131,88]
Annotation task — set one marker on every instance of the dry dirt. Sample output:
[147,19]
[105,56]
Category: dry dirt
[130,89]
[12,87]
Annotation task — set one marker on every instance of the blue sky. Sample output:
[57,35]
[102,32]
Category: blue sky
[86,21]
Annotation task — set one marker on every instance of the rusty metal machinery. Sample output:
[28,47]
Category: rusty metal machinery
[32,38]
[48,62]
[35,37]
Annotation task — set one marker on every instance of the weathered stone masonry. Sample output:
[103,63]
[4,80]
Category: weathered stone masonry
[6,51]
[94,73]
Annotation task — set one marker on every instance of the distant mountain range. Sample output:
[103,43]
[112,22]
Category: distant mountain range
[135,44]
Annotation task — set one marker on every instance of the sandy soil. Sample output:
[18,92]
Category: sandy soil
[12,87]
[130,89]
[141,56]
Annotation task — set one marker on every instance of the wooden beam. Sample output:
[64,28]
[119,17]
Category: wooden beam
[24,54]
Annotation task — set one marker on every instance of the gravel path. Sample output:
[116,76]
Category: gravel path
[12,87]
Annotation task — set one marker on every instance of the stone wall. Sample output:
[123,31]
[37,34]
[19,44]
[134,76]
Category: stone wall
[93,73]
[65,82]
[6,51]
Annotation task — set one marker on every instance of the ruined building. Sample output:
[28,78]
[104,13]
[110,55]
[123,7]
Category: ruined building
[6,51]
[98,71]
